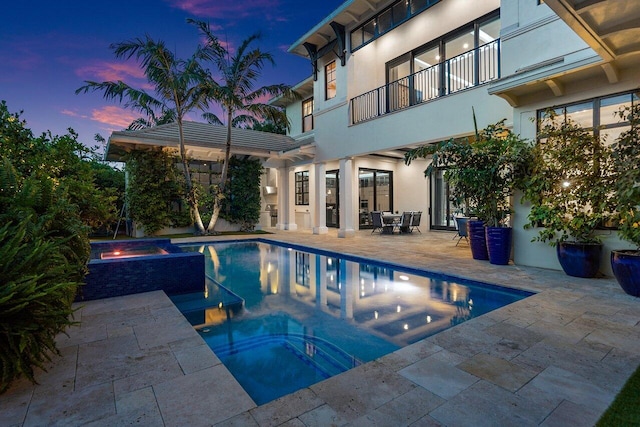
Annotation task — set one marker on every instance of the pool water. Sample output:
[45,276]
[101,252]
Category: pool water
[308,316]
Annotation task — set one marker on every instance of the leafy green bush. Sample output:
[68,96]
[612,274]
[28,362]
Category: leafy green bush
[46,206]
[241,204]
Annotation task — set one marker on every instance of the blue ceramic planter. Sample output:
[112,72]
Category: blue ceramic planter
[579,259]
[477,240]
[626,267]
[499,244]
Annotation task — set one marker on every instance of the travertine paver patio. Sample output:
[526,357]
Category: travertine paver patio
[556,358]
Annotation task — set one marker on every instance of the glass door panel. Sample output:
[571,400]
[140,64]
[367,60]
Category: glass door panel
[398,87]
[426,66]
[441,206]
[383,191]
[460,62]
[374,194]
[333,199]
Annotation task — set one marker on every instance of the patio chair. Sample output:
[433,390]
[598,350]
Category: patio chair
[376,220]
[461,223]
[415,221]
[405,222]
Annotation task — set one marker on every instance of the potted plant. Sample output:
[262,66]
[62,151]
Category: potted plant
[625,263]
[482,173]
[570,192]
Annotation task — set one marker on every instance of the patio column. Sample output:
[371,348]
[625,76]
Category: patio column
[320,199]
[346,198]
[286,214]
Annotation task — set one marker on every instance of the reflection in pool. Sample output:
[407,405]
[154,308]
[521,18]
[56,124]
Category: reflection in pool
[308,315]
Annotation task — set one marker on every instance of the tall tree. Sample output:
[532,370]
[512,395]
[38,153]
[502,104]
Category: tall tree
[177,84]
[241,104]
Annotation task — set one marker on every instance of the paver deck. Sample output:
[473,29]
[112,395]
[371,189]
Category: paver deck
[556,358]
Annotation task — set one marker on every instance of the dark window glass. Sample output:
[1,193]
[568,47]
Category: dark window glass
[302,188]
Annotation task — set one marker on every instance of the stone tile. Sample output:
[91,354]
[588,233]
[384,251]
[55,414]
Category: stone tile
[322,416]
[173,329]
[71,407]
[571,333]
[285,408]
[426,421]
[465,341]
[569,414]
[362,389]
[242,420]
[15,402]
[136,408]
[410,354]
[205,397]
[556,383]
[485,404]
[117,358]
[77,334]
[194,359]
[154,374]
[403,410]
[440,378]
[294,422]
[498,371]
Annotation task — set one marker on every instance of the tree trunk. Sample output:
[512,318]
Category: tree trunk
[217,199]
[191,197]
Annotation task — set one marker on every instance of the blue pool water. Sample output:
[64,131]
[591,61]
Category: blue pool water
[283,318]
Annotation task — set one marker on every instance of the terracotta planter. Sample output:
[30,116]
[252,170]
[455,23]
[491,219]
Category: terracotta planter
[626,267]
[579,259]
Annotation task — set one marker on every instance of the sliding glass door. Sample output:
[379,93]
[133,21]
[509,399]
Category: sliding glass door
[375,194]
[333,199]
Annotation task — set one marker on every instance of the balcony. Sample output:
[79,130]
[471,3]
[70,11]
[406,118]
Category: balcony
[470,69]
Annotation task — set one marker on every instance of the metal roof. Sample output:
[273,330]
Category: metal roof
[204,141]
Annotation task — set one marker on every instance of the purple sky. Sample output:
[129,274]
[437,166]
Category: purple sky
[49,48]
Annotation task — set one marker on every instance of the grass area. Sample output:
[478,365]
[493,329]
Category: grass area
[625,409]
[177,236]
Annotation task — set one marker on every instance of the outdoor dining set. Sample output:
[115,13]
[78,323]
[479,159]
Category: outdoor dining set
[389,222]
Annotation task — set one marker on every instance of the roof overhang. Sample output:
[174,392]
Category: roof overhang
[350,12]
[205,141]
[611,29]
[304,89]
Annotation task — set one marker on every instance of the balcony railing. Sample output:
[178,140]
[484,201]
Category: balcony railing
[470,69]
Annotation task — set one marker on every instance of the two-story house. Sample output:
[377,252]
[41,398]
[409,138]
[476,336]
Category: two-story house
[391,75]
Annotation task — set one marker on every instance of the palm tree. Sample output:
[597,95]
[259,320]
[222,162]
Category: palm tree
[178,90]
[241,104]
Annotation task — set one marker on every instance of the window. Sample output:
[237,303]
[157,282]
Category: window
[307,115]
[330,80]
[391,17]
[302,188]
[598,114]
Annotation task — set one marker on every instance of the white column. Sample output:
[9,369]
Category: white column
[346,199]
[320,199]
[286,213]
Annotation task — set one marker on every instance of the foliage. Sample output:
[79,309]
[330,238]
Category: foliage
[235,93]
[178,86]
[242,199]
[44,246]
[154,186]
[626,162]
[482,173]
[570,183]
[271,127]
[61,158]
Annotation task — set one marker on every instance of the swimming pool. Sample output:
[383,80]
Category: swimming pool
[308,316]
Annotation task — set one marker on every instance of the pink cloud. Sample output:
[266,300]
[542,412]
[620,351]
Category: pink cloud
[226,9]
[116,118]
[111,71]
[74,114]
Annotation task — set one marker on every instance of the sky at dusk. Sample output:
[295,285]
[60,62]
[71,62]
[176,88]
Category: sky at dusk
[49,48]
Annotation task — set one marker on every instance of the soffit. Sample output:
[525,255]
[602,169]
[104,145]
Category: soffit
[205,141]
[610,27]
[350,12]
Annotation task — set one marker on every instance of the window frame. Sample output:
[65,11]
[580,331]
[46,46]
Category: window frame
[301,190]
[327,72]
[305,104]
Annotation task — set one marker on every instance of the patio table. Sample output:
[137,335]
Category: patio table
[390,222]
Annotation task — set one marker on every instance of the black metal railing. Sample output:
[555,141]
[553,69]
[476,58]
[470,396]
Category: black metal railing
[470,69]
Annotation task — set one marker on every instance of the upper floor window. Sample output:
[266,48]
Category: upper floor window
[391,17]
[302,188]
[330,80]
[307,115]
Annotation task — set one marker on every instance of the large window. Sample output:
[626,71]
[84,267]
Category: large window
[598,114]
[302,188]
[330,80]
[462,59]
[307,115]
[394,15]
